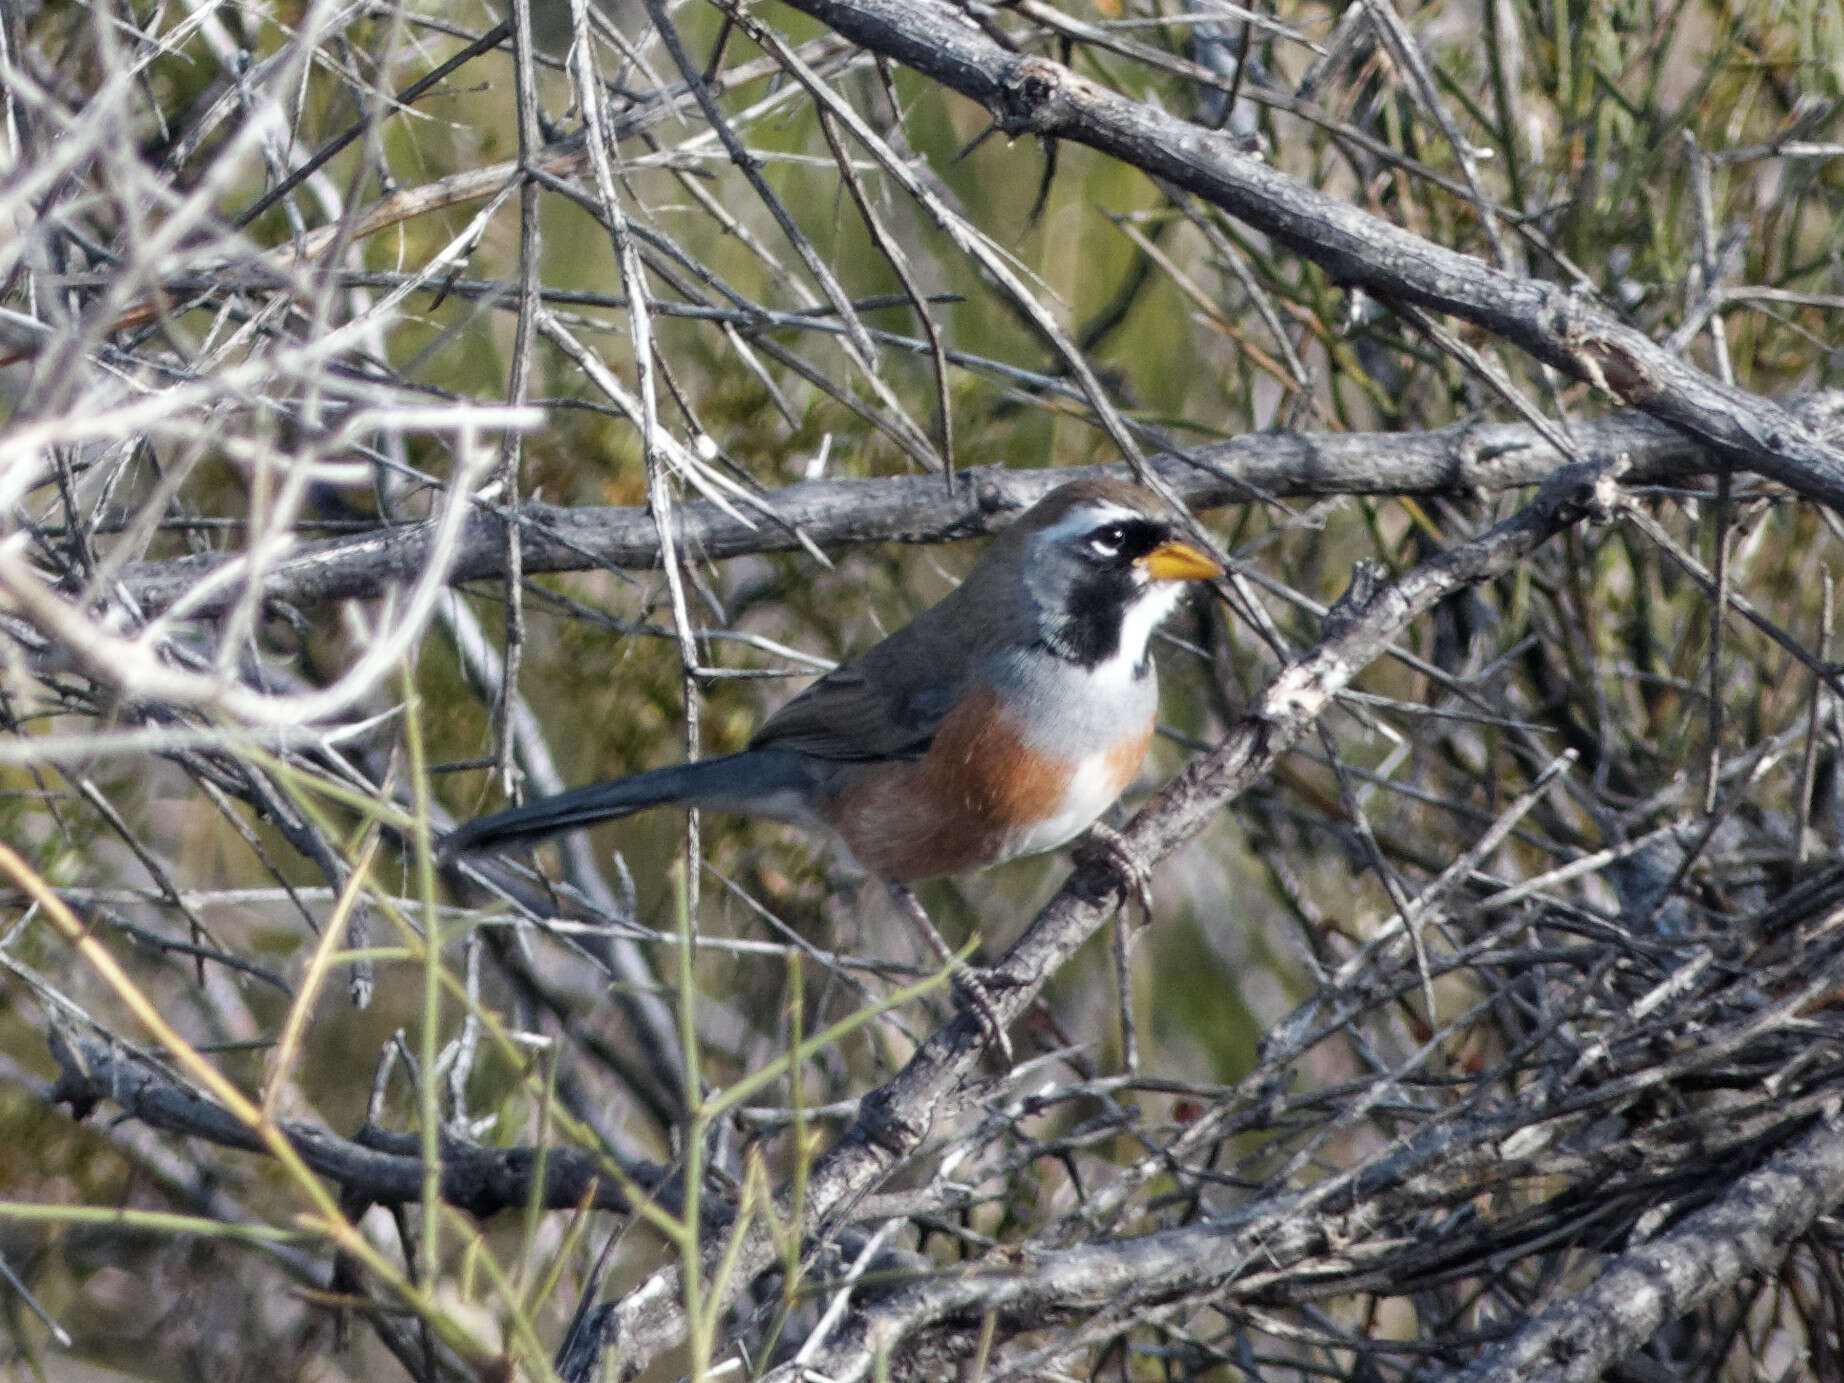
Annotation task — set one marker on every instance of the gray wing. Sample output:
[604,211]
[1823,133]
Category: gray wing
[884,704]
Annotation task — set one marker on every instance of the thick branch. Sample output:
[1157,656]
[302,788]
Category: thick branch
[383,1169]
[1320,1243]
[1033,95]
[1462,459]
[1746,1231]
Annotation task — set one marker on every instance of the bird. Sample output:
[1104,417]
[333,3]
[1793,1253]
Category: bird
[1002,721]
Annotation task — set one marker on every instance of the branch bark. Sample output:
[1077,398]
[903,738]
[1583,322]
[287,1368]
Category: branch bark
[1746,1231]
[1459,460]
[1032,95]
[378,1168]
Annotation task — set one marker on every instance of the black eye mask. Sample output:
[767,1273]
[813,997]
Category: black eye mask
[1124,541]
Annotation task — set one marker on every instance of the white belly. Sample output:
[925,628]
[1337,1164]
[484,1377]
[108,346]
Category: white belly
[1090,793]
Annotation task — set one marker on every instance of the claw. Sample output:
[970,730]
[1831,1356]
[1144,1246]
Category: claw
[1102,844]
[970,985]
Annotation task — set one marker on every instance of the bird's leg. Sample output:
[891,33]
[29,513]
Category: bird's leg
[967,982]
[1102,844]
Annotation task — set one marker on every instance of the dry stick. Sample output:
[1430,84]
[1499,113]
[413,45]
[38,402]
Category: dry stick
[1808,765]
[1746,1231]
[894,1120]
[379,1167]
[1461,459]
[1032,95]
[863,352]
[972,242]
[1228,253]
[898,427]
[1123,984]
[899,265]
[1709,256]
[653,452]
[635,985]
[491,39]
[156,869]
[1709,271]
[1404,52]
[1460,870]
[511,447]
[1387,878]
[1818,666]
[1720,521]
[1550,430]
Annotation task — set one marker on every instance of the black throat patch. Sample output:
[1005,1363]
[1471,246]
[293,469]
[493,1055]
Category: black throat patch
[1089,632]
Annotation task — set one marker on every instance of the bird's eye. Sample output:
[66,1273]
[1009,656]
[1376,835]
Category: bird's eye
[1108,541]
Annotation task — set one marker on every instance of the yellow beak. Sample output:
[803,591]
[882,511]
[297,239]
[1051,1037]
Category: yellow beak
[1176,561]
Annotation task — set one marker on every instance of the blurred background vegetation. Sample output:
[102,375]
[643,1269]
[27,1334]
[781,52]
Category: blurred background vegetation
[1678,163]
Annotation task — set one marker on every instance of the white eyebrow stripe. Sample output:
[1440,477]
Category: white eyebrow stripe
[1085,517]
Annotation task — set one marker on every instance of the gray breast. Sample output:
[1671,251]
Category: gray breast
[1071,709]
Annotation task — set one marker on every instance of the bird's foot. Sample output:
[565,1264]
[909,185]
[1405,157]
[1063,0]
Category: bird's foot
[974,988]
[1102,844]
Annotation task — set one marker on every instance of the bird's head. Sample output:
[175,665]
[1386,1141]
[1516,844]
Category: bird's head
[1102,563]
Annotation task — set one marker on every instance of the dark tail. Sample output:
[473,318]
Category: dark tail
[751,781]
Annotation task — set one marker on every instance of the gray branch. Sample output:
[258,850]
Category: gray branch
[377,1168]
[1033,95]
[1746,1231]
[1460,460]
